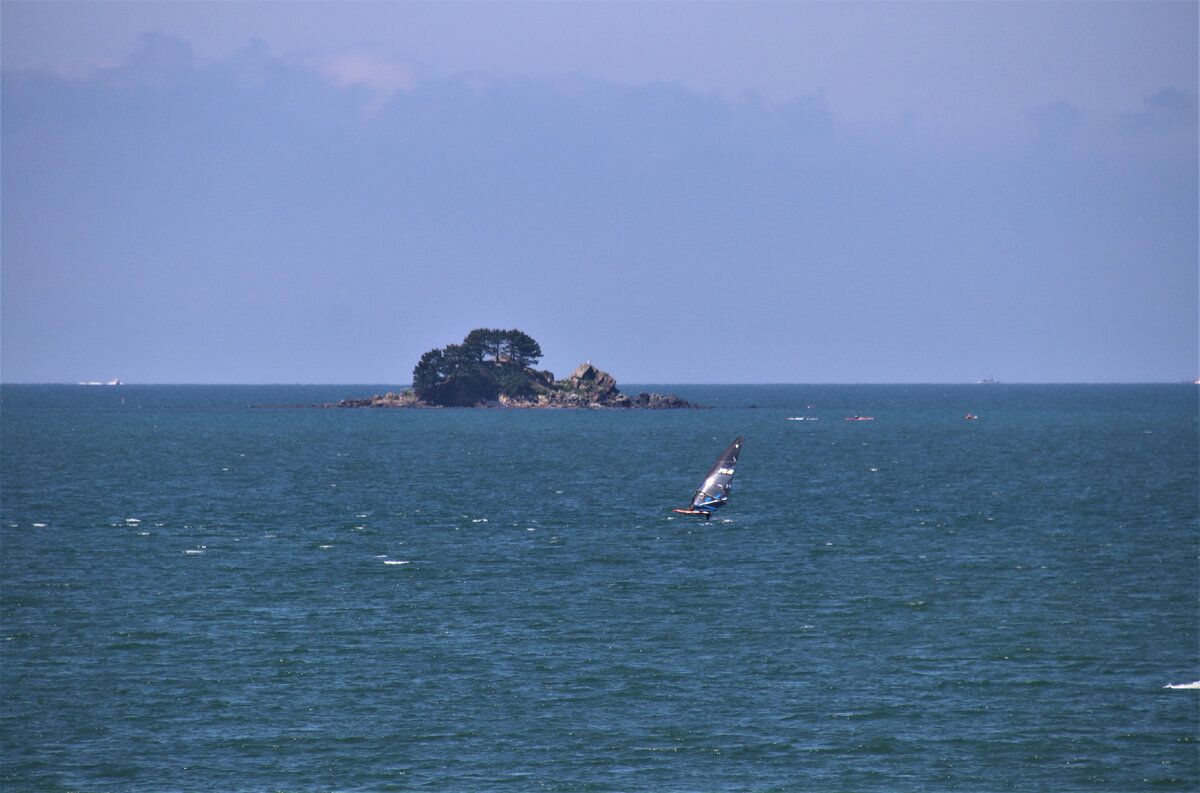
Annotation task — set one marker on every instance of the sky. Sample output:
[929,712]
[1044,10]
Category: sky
[679,192]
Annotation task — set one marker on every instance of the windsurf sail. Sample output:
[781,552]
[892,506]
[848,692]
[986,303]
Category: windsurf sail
[714,490]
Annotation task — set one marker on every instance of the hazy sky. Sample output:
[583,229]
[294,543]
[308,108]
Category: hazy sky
[681,192]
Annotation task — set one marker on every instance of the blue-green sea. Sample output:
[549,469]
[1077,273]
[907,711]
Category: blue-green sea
[199,595]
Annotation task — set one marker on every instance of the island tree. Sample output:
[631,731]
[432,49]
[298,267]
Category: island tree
[488,364]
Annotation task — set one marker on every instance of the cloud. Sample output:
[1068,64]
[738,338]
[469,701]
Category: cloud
[156,59]
[252,198]
[1170,109]
[382,76]
[1057,120]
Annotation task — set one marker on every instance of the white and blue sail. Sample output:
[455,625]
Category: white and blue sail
[713,492]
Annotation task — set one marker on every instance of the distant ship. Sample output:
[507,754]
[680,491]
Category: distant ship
[115,381]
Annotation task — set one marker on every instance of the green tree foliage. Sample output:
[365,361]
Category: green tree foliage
[515,383]
[521,348]
[489,363]
[430,372]
[483,342]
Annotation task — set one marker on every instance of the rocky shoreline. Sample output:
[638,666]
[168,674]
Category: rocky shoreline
[586,388]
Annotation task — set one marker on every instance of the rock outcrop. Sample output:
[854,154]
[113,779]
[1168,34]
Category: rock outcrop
[658,401]
[591,387]
[405,399]
[588,376]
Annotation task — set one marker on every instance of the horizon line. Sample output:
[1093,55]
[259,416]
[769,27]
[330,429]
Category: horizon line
[408,386]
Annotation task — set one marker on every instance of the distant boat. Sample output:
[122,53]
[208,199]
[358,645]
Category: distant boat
[115,381]
[714,490]
[857,417]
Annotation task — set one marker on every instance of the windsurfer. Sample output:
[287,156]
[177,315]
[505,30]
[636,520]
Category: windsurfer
[714,490]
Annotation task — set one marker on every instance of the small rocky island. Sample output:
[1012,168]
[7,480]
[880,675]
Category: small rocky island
[495,368]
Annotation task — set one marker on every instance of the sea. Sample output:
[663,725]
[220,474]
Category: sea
[983,587]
